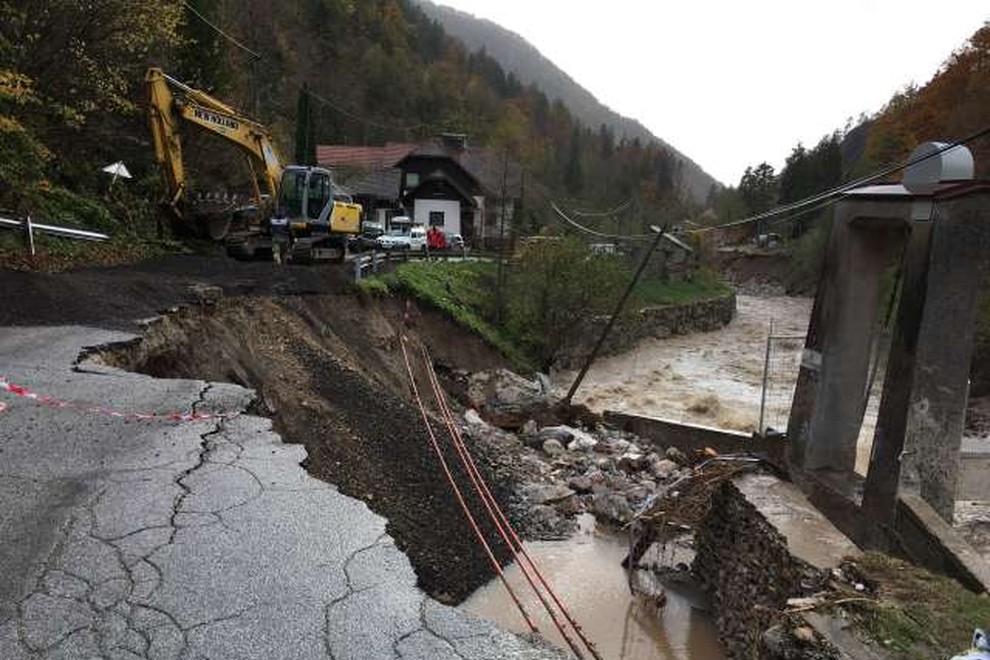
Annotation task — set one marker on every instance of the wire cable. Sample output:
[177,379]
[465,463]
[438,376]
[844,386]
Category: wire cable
[498,516]
[588,230]
[220,31]
[846,187]
[457,491]
[320,99]
[502,523]
[817,201]
[604,214]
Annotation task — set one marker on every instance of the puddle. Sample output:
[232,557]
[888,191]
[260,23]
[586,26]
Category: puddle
[586,574]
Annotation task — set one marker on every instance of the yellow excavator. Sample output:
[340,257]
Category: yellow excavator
[296,212]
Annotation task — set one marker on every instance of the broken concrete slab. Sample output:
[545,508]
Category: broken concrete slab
[159,539]
[934,544]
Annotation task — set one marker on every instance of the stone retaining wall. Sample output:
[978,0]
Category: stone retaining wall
[699,316]
[761,543]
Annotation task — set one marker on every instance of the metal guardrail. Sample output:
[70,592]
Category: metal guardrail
[371,261]
[375,259]
[29,227]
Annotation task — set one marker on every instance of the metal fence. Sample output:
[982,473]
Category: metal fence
[780,373]
[27,227]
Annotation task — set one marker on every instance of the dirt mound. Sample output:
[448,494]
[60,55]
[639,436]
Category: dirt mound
[757,271]
[329,372]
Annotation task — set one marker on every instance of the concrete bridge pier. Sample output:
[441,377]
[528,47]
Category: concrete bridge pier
[866,240]
[917,442]
[936,226]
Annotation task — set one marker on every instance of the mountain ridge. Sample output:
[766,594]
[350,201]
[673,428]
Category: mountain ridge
[518,55]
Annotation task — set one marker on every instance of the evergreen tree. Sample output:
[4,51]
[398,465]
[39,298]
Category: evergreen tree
[574,171]
[305,130]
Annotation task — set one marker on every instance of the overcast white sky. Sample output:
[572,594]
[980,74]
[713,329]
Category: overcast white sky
[731,83]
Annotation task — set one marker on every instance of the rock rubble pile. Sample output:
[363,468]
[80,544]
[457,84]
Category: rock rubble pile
[562,470]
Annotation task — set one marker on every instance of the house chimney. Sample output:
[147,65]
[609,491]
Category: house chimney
[454,142]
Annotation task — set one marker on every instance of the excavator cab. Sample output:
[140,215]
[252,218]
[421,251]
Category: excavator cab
[311,221]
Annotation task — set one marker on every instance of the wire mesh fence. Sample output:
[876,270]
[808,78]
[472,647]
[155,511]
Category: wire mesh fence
[782,364]
[783,361]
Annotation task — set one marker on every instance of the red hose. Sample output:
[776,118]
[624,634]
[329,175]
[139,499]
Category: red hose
[505,523]
[481,488]
[457,491]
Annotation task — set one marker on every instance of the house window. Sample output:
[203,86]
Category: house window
[412,179]
[436,218]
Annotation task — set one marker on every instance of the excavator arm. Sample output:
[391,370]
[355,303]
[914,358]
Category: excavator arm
[168,109]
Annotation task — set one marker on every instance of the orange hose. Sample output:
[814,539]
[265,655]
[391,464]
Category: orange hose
[457,491]
[481,488]
[487,496]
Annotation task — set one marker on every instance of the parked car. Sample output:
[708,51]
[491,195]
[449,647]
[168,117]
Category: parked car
[372,229]
[417,239]
[455,242]
[768,240]
[395,239]
[368,238]
[414,240]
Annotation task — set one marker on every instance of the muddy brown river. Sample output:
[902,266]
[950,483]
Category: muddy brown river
[586,573]
[714,378]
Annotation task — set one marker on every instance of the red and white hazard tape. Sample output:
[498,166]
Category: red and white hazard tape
[51,402]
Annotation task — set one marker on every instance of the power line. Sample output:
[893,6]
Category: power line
[588,230]
[846,187]
[219,31]
[320,99]
[348,113]
[604,214]
[789,212]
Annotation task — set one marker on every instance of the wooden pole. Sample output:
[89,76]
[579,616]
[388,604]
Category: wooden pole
[766,371]
[618,310]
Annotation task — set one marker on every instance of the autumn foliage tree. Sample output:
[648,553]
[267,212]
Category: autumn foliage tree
[954,104]
[70,76]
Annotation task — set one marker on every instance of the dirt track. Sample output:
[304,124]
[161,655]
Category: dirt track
[117,296]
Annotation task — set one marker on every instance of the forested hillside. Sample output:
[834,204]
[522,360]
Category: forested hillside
[518,56]
[953,105]
[71,98]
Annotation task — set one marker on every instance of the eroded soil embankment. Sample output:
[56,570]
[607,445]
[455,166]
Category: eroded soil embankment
[329,371]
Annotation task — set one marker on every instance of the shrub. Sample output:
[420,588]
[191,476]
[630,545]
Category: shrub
[554,286]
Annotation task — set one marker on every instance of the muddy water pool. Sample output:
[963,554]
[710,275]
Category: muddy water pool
[713,378]
[586,573]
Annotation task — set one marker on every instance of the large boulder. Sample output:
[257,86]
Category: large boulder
[553,448]
[545,493]
[582,441]
[507,399]
[630,462]
[611,507]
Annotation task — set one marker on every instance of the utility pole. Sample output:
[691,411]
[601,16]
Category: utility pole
[766,379]
[618,310]
[499,301]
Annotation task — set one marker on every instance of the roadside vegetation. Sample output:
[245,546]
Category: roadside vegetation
[461,290]
[551,288]
[919,615]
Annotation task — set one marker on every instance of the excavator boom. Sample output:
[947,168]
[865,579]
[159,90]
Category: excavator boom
[167,109]
[312,219]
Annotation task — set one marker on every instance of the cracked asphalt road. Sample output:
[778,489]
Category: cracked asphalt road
[162,540]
